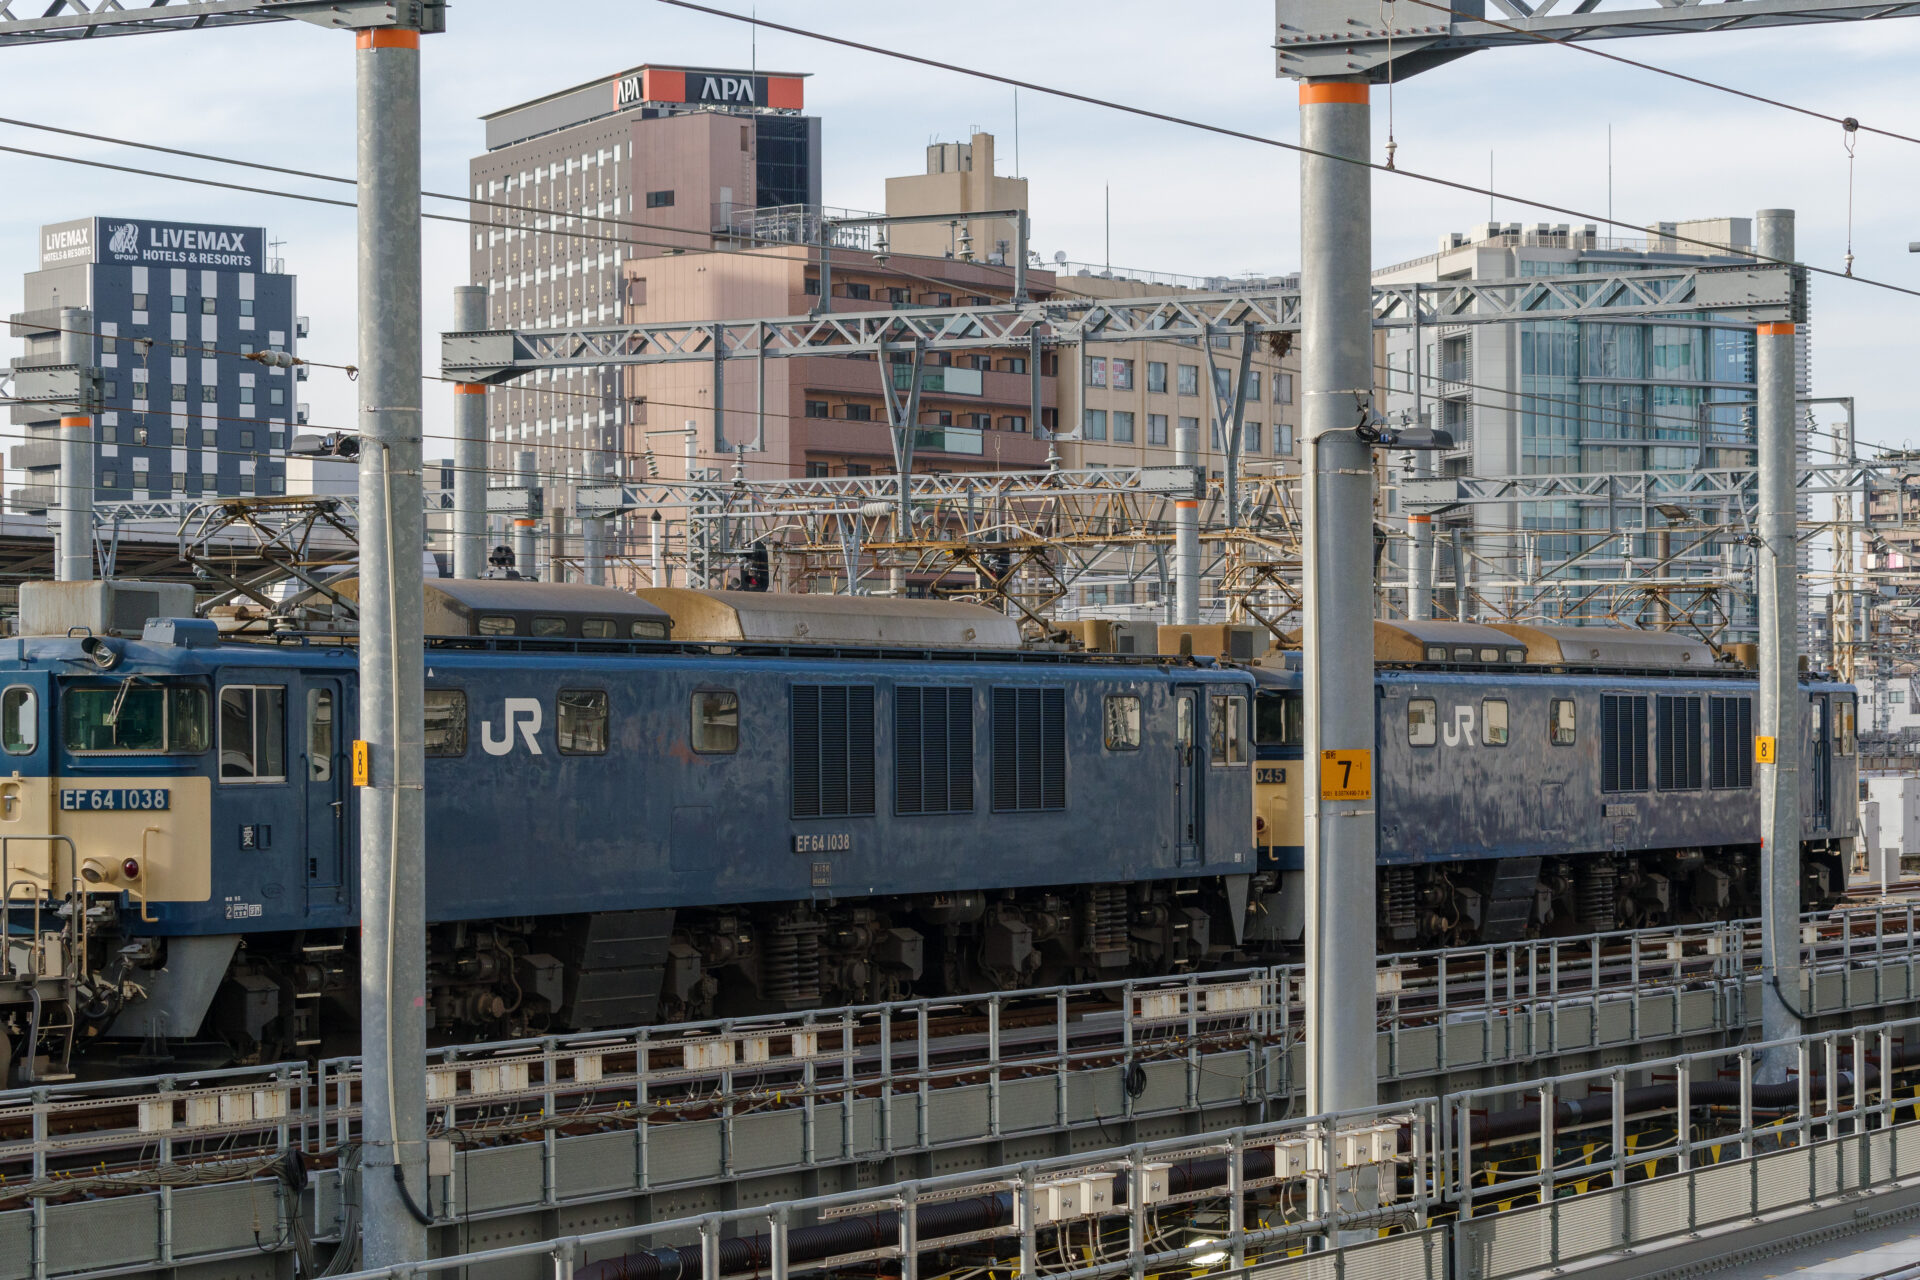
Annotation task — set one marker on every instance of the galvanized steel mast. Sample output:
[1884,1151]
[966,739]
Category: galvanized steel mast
[75,525]
[469,447]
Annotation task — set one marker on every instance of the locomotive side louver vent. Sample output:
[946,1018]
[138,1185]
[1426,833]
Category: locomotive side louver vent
[1623,742]
[1730,739]
[1029,749]
[933,750]
[832,750]
[1677,726]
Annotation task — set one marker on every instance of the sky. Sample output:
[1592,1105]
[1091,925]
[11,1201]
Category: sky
[1105,186]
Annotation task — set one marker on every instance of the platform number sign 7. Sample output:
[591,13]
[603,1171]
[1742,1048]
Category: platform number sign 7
[1346,775]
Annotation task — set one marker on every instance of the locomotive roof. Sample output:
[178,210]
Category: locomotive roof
[774,617]
[452,603]
[1555,644]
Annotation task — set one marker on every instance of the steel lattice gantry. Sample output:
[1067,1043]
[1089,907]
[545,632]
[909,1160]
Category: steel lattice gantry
[1735,295]
[66,20]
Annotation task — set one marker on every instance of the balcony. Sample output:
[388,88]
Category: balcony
[970,440]
[34,454]
[34,497]
[942,381]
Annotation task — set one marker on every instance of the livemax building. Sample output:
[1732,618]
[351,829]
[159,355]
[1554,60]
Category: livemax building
[177,307]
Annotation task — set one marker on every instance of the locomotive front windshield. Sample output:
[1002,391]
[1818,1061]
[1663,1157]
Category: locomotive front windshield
[135,716]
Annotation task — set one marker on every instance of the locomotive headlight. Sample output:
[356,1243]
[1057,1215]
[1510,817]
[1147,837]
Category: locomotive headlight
[93,871]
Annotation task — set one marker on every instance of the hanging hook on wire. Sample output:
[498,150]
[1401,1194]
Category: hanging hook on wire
[1849,136]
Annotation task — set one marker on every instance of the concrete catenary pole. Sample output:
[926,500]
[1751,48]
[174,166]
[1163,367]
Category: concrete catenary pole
[393,947]
[593,548]
[75,496]
[1336,374]
[1420,548]
[1186,528]
[469,447]
[526,525]
[1781,707]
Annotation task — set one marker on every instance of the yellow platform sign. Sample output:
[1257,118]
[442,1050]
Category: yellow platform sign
[1346,775]
[1763,750]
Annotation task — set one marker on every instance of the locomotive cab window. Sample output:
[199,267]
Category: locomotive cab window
[253,733]
[1228,729]
[1560,722]
[19,720]
[134,717]
[446,729]
[1277,720]
[596,628]
[647,630]
[319,735]
[581,728]
[716,721]
[496,624]
[1436,653]
[1123,722]
[1493,713]
[1843,725]
[548,626]
[1423,722]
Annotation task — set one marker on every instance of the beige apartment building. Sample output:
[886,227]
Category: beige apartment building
[959,179]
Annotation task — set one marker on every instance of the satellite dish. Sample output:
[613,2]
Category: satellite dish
[1060,256]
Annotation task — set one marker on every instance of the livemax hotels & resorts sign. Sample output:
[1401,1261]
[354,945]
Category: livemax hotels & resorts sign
[139,243]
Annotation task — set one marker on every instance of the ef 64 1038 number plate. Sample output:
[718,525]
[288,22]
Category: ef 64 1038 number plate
[143,799]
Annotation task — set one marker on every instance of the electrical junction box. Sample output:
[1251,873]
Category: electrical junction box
[1155,1184]
[1235,998]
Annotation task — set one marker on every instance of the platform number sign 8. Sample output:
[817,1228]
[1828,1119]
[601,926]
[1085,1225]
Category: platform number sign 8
[1346,775]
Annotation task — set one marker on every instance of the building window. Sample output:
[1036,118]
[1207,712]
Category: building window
[1122,425]
[898,296]
[857,469]
[1094,424]
[139,302]
[1013,364]
[854,289]
[139,391]
[109,479]
[179,482]
[818,470]
[660,200]
[1156,375]
[209,394]
[1190,424]
[246,439]
[859,412]
[1189,379]
[179,305]
[1157,425]
[1096,371]
[1283,438]
[1250,437]
[1283,388]
[246,306]
[206,306]
[819,409]
[1253,384]
[276,395]
[246,395]
[109,389]
[1122,374]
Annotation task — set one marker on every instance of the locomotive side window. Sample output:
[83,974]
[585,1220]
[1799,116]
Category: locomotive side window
[1493,713]
[932,750]
[1560,722]
[1029,749]
[1436,653]
[1229,729]
[1123,722]
[1677,726]
[19,723]
[596,628]
[1423,722]
[1623,742]
[716,721]
[253,733]
[319,735]
[582,722]
[1843,726]
[1729,743]
[446,730]
[832,728]
[544,626]
[496,624]
[1277,720]
[134,718]
[647,630]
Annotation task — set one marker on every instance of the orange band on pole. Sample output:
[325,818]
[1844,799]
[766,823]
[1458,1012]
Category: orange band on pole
[1314,92]
[1419,519]
[1776,329]
[388,38]
[76,422]
[1185,504]
[469,388]
[525,524]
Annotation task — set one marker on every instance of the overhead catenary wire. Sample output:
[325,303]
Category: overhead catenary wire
[1245,136]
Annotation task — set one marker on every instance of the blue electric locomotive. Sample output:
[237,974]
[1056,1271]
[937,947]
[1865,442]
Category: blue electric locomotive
[1538,779]
[839,800]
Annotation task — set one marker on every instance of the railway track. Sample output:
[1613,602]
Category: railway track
[94,1138]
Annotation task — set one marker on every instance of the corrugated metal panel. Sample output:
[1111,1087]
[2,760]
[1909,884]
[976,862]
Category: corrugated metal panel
[594,1163]
[1508,1243]
[1722,1192]
[957,1114]
[94,1235]
[1657,1209]
[1828,1177]
[773,1141]
[16,1244]
[1782,1178]
[216,1219]
[1029,1104]
[1166,1087]
[683,1152]
[501,1178]
[1590,1224]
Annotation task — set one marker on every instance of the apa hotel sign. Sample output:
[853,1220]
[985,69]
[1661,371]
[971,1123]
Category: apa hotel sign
[137,242]
[708,87]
